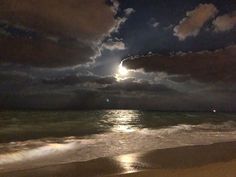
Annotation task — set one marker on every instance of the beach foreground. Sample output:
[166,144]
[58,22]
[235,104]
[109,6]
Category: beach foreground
[215,160]
[224,169]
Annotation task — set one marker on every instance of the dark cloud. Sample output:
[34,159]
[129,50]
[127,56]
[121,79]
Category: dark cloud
[14,82]
[206,66]
[74,80]
[94,99]
[67,93]
[69,18]
[73,92]
[54,33]
[43,53]
[179,78]
[109,84]
[15,77]
[133,86]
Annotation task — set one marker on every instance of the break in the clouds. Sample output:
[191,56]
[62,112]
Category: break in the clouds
[204,66]
[122,20]
[194,21]
[225,22]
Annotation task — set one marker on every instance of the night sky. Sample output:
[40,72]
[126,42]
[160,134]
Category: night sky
[175,55]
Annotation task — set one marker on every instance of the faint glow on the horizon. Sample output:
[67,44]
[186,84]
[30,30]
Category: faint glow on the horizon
[124,121]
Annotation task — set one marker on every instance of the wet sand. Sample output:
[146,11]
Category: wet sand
[216,160]
[224,169]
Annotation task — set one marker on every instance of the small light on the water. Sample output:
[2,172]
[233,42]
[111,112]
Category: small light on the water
[214,110]
[108,100]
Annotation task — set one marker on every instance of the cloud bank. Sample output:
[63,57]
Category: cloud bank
[205,66]
[77,25]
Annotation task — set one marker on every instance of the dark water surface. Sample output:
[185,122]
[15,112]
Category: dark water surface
[18,125]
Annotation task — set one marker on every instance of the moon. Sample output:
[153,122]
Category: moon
[122,70]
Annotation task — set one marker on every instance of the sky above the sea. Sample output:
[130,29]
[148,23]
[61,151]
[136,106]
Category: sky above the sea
[142,54]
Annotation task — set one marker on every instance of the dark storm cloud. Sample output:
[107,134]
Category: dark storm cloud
[76,27]
[206,66]
[43,53]
[68,18]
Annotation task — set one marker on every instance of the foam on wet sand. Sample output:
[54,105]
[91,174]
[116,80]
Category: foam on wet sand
[215,160]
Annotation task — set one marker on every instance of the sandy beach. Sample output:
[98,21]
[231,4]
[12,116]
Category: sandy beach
[215,160]
[224,169]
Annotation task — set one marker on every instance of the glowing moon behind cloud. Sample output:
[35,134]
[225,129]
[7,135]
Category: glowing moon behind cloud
[122,70]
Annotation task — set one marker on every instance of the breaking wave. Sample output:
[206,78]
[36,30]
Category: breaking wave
[43,152]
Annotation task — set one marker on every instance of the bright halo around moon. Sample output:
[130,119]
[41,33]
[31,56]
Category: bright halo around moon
[122,72]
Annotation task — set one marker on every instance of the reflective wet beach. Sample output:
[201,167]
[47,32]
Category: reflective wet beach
[45,138]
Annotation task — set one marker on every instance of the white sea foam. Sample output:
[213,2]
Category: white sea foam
[42,152]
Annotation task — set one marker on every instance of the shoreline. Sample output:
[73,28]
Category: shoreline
[180,161]
[223,169]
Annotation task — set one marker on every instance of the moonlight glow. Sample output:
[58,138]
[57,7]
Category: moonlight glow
[122,70]
[121,73]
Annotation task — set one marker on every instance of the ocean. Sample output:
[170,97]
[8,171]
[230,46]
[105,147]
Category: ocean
[33,139]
